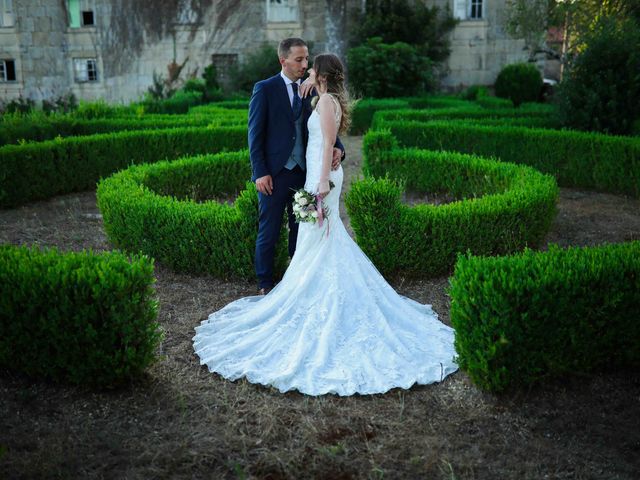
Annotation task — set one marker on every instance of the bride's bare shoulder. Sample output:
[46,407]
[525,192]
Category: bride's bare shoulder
[326,101]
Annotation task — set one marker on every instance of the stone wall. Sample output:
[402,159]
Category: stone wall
[480,48]
[132,39]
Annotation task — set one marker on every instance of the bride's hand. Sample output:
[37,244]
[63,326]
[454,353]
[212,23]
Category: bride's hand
[323,188]
[308,85]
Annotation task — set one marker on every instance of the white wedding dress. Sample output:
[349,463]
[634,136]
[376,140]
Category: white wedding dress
[333,324]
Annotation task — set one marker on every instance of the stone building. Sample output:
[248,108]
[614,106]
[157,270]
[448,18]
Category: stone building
[111,48]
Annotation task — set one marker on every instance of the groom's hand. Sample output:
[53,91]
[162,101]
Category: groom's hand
[265,185]
[337,158]
[307,86]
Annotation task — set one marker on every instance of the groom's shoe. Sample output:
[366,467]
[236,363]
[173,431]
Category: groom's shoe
[264,291]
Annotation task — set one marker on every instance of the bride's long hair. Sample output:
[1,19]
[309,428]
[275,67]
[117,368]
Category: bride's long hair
[331,68]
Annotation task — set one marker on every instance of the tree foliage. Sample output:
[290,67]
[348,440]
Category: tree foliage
[601,91]
[412,23]
[379,70]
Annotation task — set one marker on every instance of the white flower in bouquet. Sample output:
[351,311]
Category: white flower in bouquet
[305,207]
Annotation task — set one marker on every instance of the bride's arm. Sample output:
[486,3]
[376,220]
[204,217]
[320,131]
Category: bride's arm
[327,111]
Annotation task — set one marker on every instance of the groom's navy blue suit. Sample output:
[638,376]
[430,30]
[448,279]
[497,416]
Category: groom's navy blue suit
[272,138]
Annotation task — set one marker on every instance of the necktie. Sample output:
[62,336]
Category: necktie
[297,102]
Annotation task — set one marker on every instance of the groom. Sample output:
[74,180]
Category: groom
[277,144]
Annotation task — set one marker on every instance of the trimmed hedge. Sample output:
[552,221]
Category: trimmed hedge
[576,159]
[77,317]
[364,109]
[154,209]
[501,208]
[40,129]
[436,101]
[531,122]
[470,112]
[226,104]
[522,318]
[41,170]
[519,82]
[487,101]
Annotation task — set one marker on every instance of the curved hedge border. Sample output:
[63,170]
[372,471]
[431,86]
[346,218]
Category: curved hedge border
[77,317]
[226,104]
[364,110]
[41,170]
[381,118]
[507,207]
[576,159]
[45,128]
[522,318]
[150,208]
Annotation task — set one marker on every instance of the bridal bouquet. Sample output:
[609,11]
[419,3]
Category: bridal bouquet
[308,207]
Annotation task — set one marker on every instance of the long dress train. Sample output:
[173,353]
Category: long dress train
[333,324]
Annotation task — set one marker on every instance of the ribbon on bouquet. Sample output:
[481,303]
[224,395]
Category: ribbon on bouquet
[319,209]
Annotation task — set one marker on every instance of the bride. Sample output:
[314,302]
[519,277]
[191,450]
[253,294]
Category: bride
[333,324]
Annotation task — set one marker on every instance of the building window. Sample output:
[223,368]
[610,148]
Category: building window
[85,69]
[468,9]
[282,10]
[81,13]
[87,18]
[6,13]
[7,71]
[475,11]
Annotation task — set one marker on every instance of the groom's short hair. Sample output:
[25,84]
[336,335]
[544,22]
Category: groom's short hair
[287,43]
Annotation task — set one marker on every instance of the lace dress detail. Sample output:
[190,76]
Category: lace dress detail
[333,324]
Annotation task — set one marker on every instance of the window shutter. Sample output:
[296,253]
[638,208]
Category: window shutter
[74,13]
[460,9]
[6,15]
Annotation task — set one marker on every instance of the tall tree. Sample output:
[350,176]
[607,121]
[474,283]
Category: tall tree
[410,22]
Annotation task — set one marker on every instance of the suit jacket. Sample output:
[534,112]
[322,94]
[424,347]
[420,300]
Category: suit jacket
[271,127]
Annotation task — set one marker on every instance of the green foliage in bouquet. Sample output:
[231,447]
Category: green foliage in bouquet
[35,171]
[177,212]
[82,318]
[522,318]
[499,207]
[576,159]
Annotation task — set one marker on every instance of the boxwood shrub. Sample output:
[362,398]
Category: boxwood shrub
[364,109]
[436,101]
[46,128]
[526,317]
[470,112]
[176,212]
[487,101]
[241,104]
[35,171]
[82,318]
[576,159]
[500,207]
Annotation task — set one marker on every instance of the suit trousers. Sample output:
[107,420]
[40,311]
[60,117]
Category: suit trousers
[271,209]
